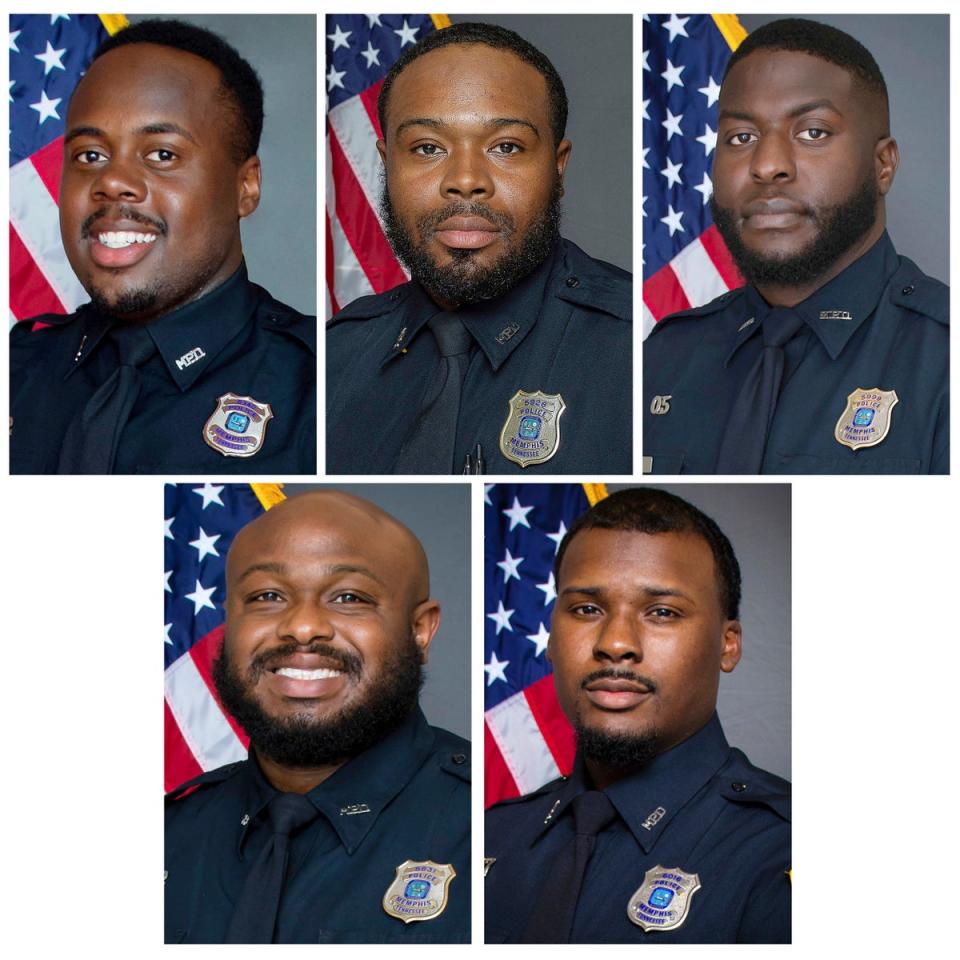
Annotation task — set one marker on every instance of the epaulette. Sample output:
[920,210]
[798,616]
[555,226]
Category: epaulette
[714,306]
[374,305]
[280,318]
[457,763]
[594,284]
[21,330]
[911,289]
[205,779]
[539,792]
[742,783]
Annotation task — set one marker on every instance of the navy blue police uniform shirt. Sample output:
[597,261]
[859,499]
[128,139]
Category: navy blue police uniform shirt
[879,327]
[407,798]
[564,330]
[234,342]
[701,809]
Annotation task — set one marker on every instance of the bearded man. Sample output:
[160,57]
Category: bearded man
[834,357]
[511,347]
[350,820]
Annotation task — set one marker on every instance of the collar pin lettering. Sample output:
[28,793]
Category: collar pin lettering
[354,809]
[835,315]
[191,356]
[653,818]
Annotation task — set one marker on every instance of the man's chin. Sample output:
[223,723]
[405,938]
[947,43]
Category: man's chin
[615,746]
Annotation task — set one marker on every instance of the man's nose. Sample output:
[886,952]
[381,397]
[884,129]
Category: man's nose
[773,159]
[120,179]
[466,175]
[306,621]
[620,638]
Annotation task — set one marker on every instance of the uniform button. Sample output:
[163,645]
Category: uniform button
[907,290]
[459,758]
[274,320]
[738,787]
[573,281]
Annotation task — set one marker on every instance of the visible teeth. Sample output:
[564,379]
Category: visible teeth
[307,674]
[118,239]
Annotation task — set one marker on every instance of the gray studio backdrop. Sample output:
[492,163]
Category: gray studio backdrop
[593,55]
[913,52]
[280,238]
[439,514]
[754,702]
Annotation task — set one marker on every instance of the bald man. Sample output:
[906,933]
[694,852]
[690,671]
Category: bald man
[349,820]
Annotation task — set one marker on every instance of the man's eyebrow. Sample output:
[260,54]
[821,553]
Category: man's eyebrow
[281,569]
[435,124]
[355,568]
[166,126]
[797,111]
[649,590]
[266,567]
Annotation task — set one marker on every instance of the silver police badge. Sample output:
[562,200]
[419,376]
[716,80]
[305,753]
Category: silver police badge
[663,900]
[238,425]
[531,433]
[866,419]
[419,890]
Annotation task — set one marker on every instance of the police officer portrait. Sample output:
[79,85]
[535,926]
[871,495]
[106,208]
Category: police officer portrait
[827,143]
[334,802]
[180,156]
[480,287]
[657,829]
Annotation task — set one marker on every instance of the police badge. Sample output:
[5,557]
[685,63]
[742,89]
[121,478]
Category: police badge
[531,433]
[419,890]
[866,419]
[663,900]
[238,425]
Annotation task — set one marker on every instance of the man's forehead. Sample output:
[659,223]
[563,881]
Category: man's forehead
[789,77]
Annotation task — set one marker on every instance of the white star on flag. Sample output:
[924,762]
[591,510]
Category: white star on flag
[335,78]
[46,107]
[709,139]
[167,574]
[13,40]
[711,91]
[338,38]
[557,537]
[509,566]
[502,617]
[201,598]
[487,487]
[676,26]
[204,545]
[51,59]
[407,34]
[672,124]
[672,220]
[518,514]
[210,494]
[706,188]
[371,55]
[540,638]
[374,19]
[495,669]
[672,173]
[167,531]
[166,633]
[549,590]
[672,76]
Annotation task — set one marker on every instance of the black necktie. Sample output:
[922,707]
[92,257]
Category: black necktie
[552,918]
[432,444]
[91,441]
[255,913]
[745,437]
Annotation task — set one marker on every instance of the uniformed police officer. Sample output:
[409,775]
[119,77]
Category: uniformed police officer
[179,364]
[663,833]
[349,821]
[834,358]
[511,347]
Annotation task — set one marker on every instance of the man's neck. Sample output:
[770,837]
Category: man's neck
[295,779]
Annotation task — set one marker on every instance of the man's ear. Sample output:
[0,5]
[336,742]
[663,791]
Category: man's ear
[248,186]
[732,645]
[886,160]
[426,621]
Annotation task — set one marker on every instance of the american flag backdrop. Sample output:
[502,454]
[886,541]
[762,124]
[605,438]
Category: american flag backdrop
[527,740]
[361,48]
[685,262]
[48,55]
[200,522]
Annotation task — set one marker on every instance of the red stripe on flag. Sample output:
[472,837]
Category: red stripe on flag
[30,294]
[720,255]
[179,763]
[48,161]
[360,225]
[204,652]
[554,726]
[663,294]
[498,783]
[334,306]
[369,98]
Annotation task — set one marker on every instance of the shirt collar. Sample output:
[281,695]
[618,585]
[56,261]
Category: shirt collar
[355,795]
[838,308]
[648,800]
[498,326]
[190,337]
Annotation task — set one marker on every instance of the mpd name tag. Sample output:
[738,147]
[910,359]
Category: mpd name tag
[663,900]
[866,419]
[531,433]
[419,890]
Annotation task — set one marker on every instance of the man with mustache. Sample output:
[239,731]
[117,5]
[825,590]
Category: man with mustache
[662,833]
[511,347]
[349,821]
[179,364]
[834,357]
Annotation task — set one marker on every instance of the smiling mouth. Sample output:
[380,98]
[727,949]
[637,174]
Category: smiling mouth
[118,239]
[295,674]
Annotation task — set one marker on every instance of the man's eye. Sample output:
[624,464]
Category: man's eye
[161,156]
[427,149]
[267,596]
[89,156]
[348,597]
[740,139]
[813,134]
[663,613]
[586,609]
[507,149]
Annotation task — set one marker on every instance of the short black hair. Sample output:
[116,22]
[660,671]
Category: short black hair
[239,82]
[491,36]
[819,40]
[649,510]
